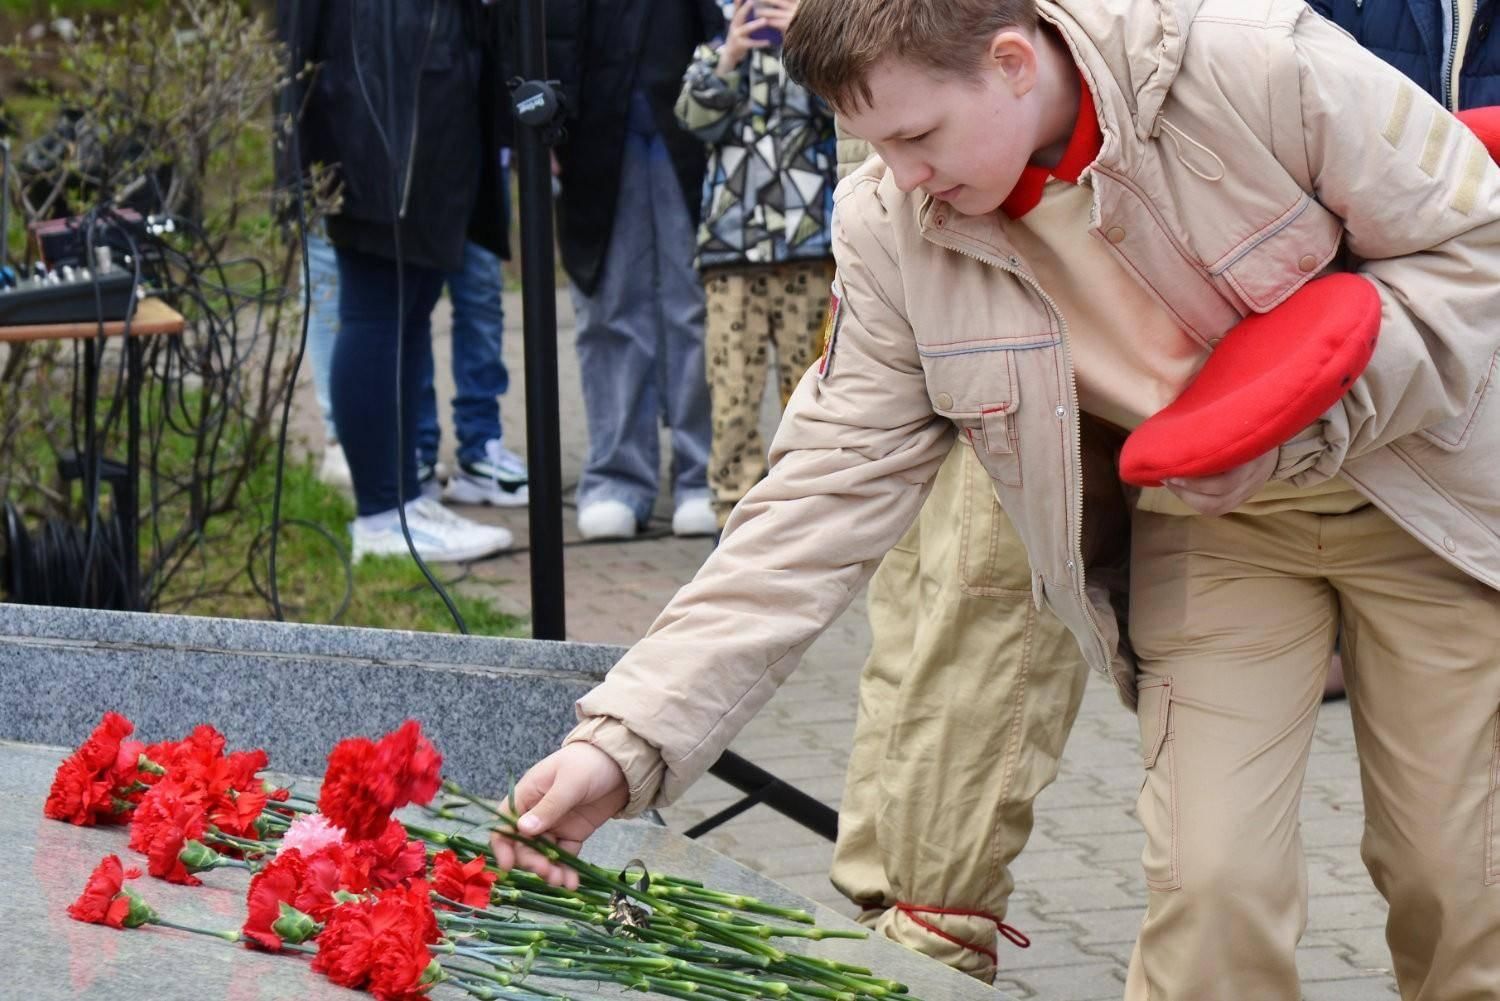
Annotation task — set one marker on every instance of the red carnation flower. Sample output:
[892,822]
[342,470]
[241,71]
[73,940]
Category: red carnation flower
[366,781]
[323,876]
[103,901]
[279,883]
[408,769]
[466,882]
[163,823]
[89,788]
[391,859]
[346,798]
[380,944]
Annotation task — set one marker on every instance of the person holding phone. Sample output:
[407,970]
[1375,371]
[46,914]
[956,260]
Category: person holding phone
[763,246]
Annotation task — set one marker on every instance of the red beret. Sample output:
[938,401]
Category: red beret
[1271,376]
[1485,123]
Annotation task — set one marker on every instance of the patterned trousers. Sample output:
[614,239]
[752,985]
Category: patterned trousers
[753,310]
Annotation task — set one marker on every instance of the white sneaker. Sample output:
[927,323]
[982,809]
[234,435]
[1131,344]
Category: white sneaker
[695,517]
[439,535]
[499,479]
[606,519]
[335,468]
[430,476]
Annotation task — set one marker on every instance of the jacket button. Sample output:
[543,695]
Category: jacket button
[1449,544]
[1115,234]
[945,401]
[1308,263]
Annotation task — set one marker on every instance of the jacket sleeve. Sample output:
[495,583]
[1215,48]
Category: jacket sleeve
[850,466]
[708,104]
[296,28]
[1322,7]
[1420,201]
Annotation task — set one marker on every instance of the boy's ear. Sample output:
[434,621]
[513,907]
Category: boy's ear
[1012,52]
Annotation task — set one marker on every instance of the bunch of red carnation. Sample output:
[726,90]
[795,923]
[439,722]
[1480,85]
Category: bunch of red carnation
[348,877]
[102,781]
[202,787]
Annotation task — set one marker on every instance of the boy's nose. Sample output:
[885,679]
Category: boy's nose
[911,176]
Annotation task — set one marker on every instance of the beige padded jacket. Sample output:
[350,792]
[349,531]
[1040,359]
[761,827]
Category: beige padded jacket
[1247,148]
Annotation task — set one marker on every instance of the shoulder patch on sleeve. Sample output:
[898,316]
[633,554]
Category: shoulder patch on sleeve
[831,329]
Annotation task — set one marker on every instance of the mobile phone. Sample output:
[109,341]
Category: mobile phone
[766,34]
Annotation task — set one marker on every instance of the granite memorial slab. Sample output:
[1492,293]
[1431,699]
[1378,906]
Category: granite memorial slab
[44,864]
[493,705]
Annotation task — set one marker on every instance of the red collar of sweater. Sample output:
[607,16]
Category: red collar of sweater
[1083,148]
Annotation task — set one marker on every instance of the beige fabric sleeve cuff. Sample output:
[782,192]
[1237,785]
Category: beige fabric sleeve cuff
[639,760]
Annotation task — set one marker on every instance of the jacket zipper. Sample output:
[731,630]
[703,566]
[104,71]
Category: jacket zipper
[1451,57]
[416,113]
[1075,561]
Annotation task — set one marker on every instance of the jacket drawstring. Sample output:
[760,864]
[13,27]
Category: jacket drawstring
[1178,137]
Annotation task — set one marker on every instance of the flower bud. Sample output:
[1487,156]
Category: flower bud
[293,926]
[198,857]
[140,912]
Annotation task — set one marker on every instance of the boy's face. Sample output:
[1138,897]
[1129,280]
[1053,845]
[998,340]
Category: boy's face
[964,141]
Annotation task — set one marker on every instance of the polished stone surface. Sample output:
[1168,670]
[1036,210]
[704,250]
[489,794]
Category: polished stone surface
[493,705]
[44,864]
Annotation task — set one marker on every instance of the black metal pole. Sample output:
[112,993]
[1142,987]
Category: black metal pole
[539,312]
[129,502]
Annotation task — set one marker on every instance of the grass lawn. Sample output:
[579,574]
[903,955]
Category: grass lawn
[388,592]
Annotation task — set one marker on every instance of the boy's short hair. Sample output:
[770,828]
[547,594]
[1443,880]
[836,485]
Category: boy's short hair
[832,44]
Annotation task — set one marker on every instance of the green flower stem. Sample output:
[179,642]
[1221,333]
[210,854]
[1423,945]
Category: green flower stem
[243,844]
[287,804]
[223,936]
[737,901]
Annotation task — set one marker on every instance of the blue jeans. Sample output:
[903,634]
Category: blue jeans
[640,340]
[363,383]
[479,375]
[322,320]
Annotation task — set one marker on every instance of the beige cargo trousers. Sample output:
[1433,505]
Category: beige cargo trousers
[964,706]
[1232,619]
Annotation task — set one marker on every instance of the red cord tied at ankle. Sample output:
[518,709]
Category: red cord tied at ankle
[1270,377]
[1016,937]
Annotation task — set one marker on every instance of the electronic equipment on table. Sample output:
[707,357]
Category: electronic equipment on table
[67,295]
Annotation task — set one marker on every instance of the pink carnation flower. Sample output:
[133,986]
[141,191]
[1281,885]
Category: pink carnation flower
[310,833]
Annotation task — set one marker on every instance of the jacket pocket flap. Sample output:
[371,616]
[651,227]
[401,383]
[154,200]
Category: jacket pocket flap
[1283,257]
[970,383]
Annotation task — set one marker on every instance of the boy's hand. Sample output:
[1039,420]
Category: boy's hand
[737,42]
[566,796]
[1216,495]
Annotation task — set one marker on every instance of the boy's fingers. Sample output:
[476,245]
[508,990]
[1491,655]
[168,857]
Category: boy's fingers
[560,800]
[504,850]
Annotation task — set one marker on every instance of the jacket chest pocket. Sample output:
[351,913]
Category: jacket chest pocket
[1263,270]
[974,385]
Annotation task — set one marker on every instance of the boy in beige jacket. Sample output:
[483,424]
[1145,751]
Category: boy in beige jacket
[1074,202]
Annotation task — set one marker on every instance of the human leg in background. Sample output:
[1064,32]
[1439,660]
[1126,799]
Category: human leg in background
[618,346]
[737,341]
[364,393]
[799,307]
[429,432]
[684,388]
[964,706]
[322,333]
[487,473]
